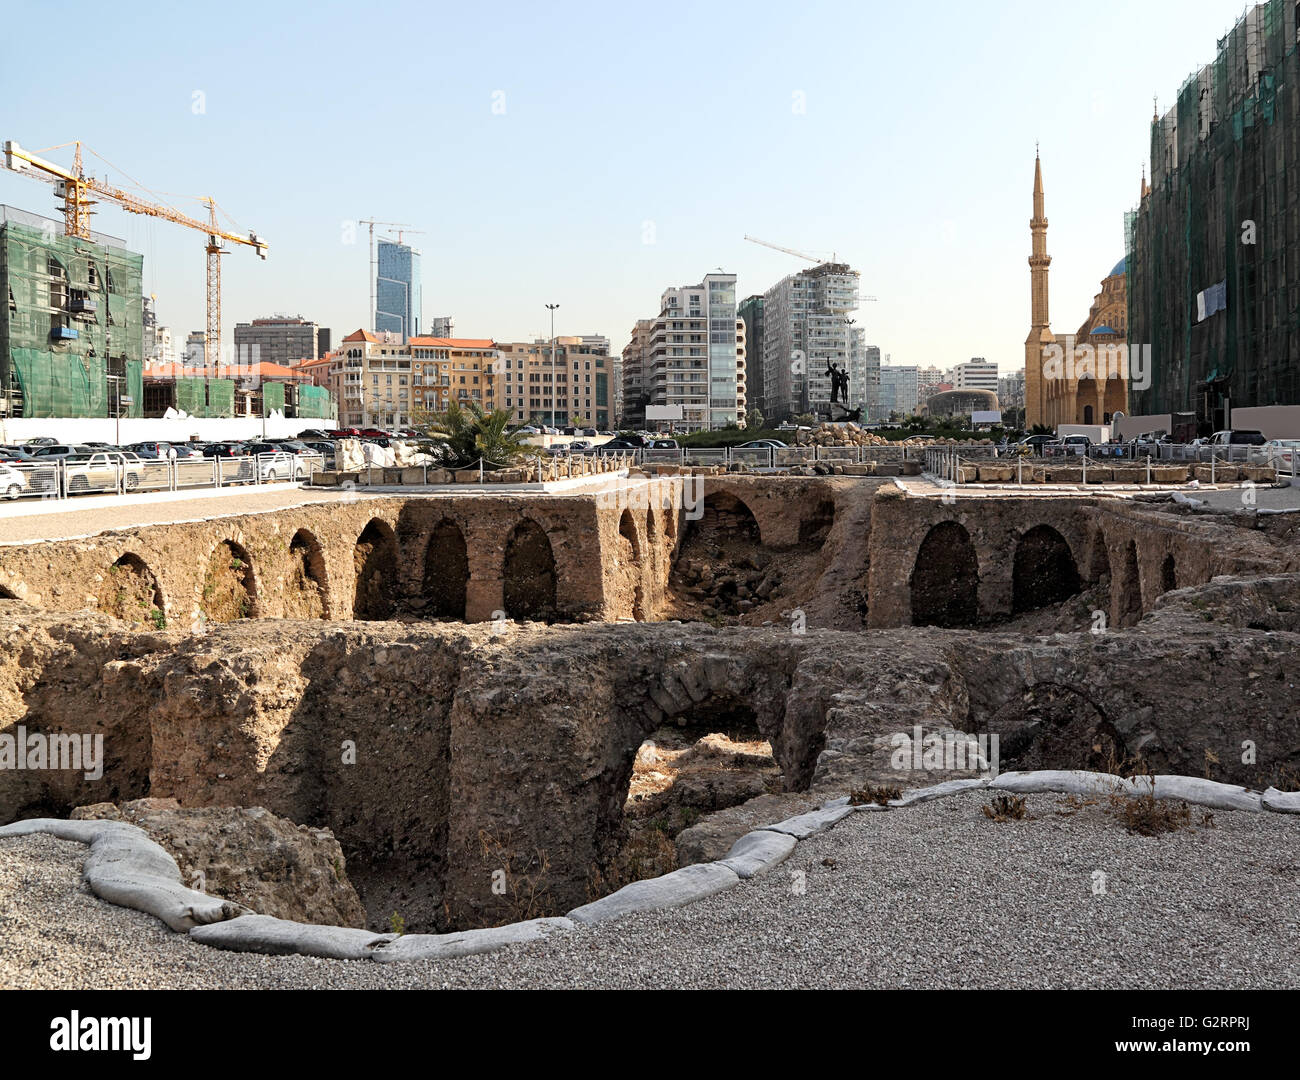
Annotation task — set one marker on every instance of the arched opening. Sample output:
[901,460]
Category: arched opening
[308,581]
[130,592]
[1168,574]
[446,572]
[814,528]
[529,573]
[945,578]
[1129,605]
[1087,414]
[1044,571]
[723,517]
[229,586]
[375,560]
[629,558]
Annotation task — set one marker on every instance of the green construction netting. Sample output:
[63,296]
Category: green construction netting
[55,384]
[135,387]
[1222,209]
[76,302]
[314,401]
[192,396]
[221,397]
[272,398]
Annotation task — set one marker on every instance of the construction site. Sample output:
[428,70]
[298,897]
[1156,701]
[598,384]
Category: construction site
[72,325]
[1214,245]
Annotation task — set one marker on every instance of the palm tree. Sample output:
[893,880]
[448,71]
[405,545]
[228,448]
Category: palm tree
[467,433]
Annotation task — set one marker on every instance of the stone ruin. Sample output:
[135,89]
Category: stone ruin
[472,711]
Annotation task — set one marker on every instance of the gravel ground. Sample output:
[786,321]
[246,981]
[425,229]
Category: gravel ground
[932,896]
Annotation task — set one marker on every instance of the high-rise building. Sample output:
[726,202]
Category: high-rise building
[279,339]
[976,374]
[864,375]
[71,333]
[690,355]
[806,327]
[750,311]
[442,326]
[899,390]
[398,296]
[578,384]
[1213,257]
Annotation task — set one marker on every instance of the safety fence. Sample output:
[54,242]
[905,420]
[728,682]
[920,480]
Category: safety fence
[108,473]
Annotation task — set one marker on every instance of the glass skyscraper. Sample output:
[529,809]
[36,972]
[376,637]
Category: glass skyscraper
[398,299]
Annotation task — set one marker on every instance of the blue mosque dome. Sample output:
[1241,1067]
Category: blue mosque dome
[1119,267]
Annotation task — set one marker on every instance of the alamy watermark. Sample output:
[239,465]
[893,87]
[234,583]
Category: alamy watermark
[1071,362]
[949,752]
[23,750]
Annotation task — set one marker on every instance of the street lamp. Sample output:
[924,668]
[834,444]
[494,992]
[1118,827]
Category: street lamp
[551,308]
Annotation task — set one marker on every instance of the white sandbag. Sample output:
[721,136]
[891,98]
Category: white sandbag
[468,942]
[283,937]
[681,887]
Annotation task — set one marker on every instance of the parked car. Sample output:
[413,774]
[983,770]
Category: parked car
[662,444]
[326,451]
[579,445]
[762,444]
[224,449]
[308,434]
[43,440]
[1286,452]
[1238,437]
[100,471]
[58,450]
[620,443]
[12,482]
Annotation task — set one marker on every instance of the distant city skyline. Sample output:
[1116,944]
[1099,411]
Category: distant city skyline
[903,142]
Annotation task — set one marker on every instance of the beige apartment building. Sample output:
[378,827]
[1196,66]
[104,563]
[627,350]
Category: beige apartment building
[578,381]
[379,381]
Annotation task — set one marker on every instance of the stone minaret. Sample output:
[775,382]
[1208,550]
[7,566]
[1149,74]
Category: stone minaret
[1040,329]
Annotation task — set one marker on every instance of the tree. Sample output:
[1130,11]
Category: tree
[466,433]
[806,420]
[754,419]
[579,421]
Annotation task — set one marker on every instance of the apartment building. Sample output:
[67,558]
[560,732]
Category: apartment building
[899,390]
[691,355]
[379,381]
[576,382]
[806,327]
[976,374]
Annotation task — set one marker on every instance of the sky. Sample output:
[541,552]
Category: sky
[593,155]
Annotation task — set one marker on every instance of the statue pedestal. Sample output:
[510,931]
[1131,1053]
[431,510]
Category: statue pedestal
[835,413]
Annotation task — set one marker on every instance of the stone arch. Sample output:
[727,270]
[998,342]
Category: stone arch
[528,573]
[814,528]
[229,584]
[308,578]
[130,592]
[723,513]
[945,578]
[630,555]
[1044,571]
[446,572]
[375,561]
[1128,595]
[1168,574]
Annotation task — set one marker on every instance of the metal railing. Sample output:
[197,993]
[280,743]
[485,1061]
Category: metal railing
[61,479]
[945,463]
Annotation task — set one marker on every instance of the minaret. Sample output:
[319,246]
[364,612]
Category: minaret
[1040,331]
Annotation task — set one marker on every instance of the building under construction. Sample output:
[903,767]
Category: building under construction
[1214,246]
[71,340]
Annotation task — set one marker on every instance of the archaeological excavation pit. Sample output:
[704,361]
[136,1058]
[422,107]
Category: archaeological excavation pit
[505,707]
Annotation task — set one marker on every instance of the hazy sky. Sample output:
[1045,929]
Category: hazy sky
[592,155]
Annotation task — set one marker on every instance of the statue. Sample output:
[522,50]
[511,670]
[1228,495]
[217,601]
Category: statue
[839,384]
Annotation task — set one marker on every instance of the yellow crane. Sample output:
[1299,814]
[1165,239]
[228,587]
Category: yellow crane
[75,188]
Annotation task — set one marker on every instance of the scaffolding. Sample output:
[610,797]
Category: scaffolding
[1221,221]
[71,322]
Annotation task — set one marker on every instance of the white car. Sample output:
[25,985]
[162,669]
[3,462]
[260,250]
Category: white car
[12,482]
[280,466]
[1286,452]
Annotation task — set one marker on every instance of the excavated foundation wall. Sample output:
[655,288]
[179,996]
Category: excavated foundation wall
[446,758]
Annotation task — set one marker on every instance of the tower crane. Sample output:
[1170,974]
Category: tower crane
[798,255]
[74,187]
[374,263]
